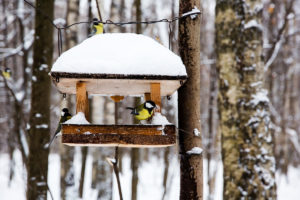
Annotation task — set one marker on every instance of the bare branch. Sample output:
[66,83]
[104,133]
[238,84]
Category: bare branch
[278,41]
[18,116]
[116,170]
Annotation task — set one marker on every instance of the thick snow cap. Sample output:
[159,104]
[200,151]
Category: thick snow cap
[120,53]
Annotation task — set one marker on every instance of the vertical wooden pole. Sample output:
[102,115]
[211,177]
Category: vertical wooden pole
[155,94]
[82,102]
[147,97]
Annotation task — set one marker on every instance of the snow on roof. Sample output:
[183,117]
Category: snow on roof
[120,53]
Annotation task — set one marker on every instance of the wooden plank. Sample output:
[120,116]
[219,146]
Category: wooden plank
[118,135]
[87,129]
[120,87]
[82,102]
[119,145]
[119,140]
[115,76]
[155,94]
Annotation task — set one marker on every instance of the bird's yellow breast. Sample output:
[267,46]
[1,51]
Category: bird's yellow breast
[99,29]
[143,115]
[6,75]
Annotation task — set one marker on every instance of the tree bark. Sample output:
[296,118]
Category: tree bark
[191,178]
[67,153]
[40,102]
[247,153]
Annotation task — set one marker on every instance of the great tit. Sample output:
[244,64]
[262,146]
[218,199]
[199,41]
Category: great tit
[7,73]
[65,116]
[97,28]
[143,111]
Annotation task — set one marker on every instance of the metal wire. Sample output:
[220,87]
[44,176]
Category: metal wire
[109,22]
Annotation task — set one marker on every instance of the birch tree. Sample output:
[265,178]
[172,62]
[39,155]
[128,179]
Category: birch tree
[247,153]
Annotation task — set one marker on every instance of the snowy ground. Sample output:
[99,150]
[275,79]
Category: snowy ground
[150,182]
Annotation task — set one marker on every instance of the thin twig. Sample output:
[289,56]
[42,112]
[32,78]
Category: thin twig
[98,9]
[116,170]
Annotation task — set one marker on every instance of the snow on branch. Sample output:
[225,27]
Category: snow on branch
[277,42]
[253,24]
[260,97]
[274,54]
[28,41]
[193,13]
[195,151]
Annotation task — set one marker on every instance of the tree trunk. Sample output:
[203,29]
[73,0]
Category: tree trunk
[247,154]
[67,181]
[135,152]
[191,179]
[40,102]
[212,132]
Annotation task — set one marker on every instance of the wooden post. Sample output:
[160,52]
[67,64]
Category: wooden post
[82,102]
[147,97]
[155,94]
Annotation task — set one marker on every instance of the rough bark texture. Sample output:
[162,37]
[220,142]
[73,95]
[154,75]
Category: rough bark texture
[67,181]
[189,104]
[247,153]
[40,103]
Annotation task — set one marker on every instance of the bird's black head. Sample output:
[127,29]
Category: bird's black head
[149,105]
[65,112]
[7,69]
[95,21]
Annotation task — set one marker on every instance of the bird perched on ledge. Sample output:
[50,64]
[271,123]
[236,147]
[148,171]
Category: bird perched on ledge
[143,111]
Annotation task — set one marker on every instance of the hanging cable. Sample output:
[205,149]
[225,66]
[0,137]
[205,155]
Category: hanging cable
[99,11]
[170,35]
[116,23]
[59,41]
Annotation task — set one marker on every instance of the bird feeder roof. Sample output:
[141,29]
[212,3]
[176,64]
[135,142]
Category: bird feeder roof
[119,64]
[120,53]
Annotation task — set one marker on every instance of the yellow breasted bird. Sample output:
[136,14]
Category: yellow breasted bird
[143,111]
[97,28]
[7,73]
[65,116]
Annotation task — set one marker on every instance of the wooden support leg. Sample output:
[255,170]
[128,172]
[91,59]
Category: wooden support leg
[155,94]
[147,97]
[82,102]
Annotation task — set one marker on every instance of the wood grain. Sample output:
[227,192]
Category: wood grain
[118,129]
[119,135]
[119,140]
[155,94]
[82,102]
[120,87]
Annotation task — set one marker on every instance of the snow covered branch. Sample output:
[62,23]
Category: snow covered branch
[28,42]
[278,41]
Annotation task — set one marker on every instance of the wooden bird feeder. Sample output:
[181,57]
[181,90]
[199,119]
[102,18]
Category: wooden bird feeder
[117,85]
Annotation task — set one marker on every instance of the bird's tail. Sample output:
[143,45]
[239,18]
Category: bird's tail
[52,139]
[133,110]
